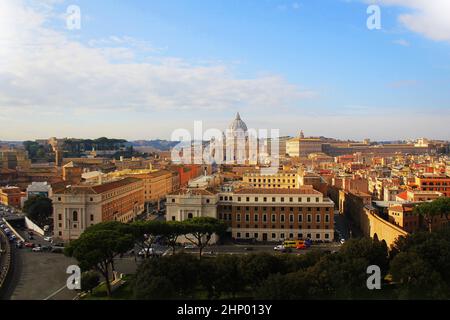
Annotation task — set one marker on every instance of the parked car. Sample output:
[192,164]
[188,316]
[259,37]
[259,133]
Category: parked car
[49,239]
[342,241]
[301,246]
[279,247]
[29,245]
[190,246]
[37,249]
[144,252]
[57,250]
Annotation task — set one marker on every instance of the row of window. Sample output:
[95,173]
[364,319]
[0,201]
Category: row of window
[273,209]
[299,218]
[282,236]
[274,199]
[270,180]
[265,226]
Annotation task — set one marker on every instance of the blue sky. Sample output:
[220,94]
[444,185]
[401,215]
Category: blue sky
[141,69]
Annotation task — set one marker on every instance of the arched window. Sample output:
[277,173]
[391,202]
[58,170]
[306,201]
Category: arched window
[75,216]
[190,216]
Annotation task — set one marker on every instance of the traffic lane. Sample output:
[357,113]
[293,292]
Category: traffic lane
[41,274]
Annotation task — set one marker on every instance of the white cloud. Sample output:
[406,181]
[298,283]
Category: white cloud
[427,17]
[45,69]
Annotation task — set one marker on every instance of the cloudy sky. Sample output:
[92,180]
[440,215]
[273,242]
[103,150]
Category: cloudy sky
[141,69]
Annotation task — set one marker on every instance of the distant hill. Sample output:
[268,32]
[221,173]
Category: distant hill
[161,145]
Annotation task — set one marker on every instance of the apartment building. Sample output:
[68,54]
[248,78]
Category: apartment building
[77,207]
[256,213]
[434,182]
[277,214]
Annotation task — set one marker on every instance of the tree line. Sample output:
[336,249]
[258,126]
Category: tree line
[100,244]
[417,267]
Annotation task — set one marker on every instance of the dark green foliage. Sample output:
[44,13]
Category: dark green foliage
[39,209]
[89,280]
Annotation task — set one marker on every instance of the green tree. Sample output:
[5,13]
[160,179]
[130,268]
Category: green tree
[429,210]
[292,286]
[89,280]
[416,279]
[145,234]
[173,232]
[199,231]
[151,287]
[97,247]
[230,277]
[39,209]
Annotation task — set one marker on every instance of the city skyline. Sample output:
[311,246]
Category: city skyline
[141,70]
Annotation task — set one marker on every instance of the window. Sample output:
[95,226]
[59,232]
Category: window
[255,217]
[282,235]
[238,235]
[327,236]
[247,217]
[291,235]
[309,218]
[256,235]
[291,199]
[273,199]
[59,199]
[238,217]
[190,216]
[327,218]
[282,199]
[59,216]
[317,217]
[207,200]
[300,235]
[282,218]
[173,218]
[60,225]
[247,199]
[308,199]
[173,199]
[300,218]
[265,199]
[273,218]
[92,217]
[256,199]
[265,217]
[247,235]
[75,216]
[239,199]
[274,235]
[91,199]
[317,236]
[291,218]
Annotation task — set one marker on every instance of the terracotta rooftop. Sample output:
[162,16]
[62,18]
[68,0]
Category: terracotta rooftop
[98,189]
[403,195]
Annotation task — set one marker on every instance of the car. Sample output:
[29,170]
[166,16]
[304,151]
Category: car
[30,238]
[49,239]
[3,226]
[37,249]
[279,247]
[146,251]
[29,245]
[46,248]
[301,246]
[46,227]
[190,246]
[57,250]
[342,241]
[208,253]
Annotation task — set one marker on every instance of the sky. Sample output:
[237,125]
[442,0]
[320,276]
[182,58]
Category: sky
[140,69]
